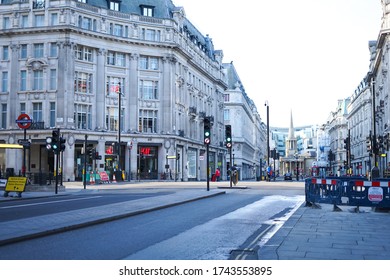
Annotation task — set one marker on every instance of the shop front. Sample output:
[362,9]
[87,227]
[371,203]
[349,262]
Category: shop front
[147,158]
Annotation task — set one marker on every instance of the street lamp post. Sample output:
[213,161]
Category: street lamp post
[268,151]
[297,162]
[375,169]
[119,124]
[129,146]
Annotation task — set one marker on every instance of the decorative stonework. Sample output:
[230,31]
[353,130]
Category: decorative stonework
[36,64]
[180,81]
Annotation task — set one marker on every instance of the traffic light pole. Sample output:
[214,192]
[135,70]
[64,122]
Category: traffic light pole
[375,169]
[62,168]
[231,165]
[207,141]
[57,153]
[208,167]
[119,126]
[24,153]
[229,145]
[85,162]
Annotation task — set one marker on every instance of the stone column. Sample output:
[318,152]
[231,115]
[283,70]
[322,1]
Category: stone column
[99,110]
[13,75]
[131,108]
[65,87]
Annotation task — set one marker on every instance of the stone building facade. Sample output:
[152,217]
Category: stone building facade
[69,64]
[249,132]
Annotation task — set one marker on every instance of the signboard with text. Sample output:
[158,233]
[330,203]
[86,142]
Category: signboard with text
[16,184]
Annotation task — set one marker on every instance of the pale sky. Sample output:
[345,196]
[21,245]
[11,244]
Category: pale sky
[299,55]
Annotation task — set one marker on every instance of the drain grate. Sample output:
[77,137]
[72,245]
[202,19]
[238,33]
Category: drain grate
[243,254]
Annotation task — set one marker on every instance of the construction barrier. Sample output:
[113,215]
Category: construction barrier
[104,178]
[100,177]
[351,191]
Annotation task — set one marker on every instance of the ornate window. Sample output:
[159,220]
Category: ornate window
[38,50]
[148,63]
[147,121]
[37,80]
[114,5]
[83,83]
[4,81]
[150,35]
[37,112]
[114,86]
[84,53]
[4,116]
[82,116]
[115,58]
[147,11]
[23,80]
[148,90]
[23,51]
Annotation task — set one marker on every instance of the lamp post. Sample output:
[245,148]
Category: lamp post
[297,162]
[268,151]
[375,169]
[129,146]
[119,124]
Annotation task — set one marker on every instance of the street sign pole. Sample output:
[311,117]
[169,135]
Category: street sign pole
[231,167]
[24,122]
[85,162]
[57,153]
[24,153]
[208,167]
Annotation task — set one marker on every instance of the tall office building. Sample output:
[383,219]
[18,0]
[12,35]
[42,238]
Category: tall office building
[133,80]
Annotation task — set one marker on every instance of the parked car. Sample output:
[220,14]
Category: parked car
[288,176]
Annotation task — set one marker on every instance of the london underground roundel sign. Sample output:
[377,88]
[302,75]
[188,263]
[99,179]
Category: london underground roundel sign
[24,121]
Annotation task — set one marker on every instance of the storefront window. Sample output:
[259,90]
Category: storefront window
[148,162]
[192,163]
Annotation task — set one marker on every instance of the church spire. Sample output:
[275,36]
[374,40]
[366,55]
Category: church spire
[291,129]
[291,141]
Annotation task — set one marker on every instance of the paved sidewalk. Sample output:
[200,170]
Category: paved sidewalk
[21,229]
[324,234]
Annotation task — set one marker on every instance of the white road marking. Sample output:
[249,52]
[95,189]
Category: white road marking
[48,202]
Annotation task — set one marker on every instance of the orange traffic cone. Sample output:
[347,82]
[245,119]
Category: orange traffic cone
[113,178]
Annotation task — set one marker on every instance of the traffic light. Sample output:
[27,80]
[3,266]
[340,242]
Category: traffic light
[97,156]
[380,142]
[369,144]
[49,141]
[92,153]
[228,134]
[55,140]
[207,131]
[330,155]
[116,147]
[62,144]
[346,143]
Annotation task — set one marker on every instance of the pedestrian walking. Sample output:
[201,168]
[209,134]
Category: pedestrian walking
[217,174]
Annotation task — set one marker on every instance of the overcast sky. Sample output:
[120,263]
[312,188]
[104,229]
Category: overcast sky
[300,56]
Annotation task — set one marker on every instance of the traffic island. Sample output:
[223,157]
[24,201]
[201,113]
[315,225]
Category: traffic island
[235,187]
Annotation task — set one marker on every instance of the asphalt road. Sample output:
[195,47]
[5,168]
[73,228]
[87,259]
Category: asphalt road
[19,209]
[212,228]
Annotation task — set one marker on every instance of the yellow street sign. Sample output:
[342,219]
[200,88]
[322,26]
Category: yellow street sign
[16,184]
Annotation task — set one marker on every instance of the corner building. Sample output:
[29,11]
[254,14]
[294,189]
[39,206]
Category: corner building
[135,72]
